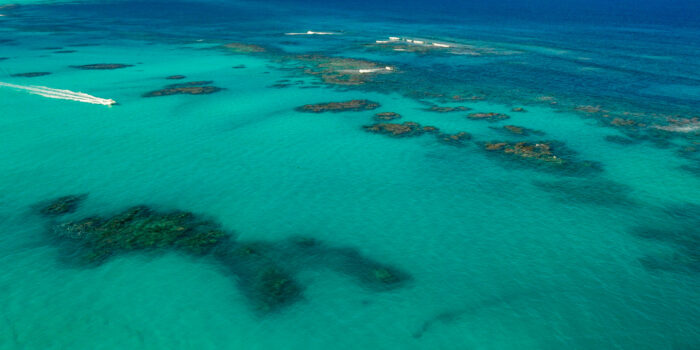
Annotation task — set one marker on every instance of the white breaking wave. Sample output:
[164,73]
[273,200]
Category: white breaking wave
[62,94]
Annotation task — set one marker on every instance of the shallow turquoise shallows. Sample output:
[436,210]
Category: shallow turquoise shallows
[496,249]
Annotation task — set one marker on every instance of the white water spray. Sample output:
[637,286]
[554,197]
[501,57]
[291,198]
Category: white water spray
[62,94]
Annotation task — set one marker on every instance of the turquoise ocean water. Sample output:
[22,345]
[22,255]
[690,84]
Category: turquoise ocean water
[502,253]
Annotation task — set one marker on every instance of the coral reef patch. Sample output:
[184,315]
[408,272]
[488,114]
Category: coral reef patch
[543,155]
[386,116]
[444,109]
[490,117]
[405,129]
[347,106]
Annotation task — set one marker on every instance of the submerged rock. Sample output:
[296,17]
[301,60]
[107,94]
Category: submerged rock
[518,110]
[399,130]
[491,117]
[31,74]
[62,205]
[352,105]
[387,116]
[103,66]
[175,77]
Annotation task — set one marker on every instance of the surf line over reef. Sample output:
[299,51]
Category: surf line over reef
[61,94]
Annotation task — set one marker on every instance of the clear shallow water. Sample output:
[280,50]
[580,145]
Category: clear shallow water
[496,260]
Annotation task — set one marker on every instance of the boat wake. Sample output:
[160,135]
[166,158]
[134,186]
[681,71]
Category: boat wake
[61,94]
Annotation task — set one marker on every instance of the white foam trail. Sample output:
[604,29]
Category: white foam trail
[62,94]
[310,32]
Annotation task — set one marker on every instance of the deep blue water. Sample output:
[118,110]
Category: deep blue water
[567,219]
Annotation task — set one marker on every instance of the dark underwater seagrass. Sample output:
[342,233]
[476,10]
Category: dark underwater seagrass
[62,205]
[103,66]
[31,74]
[189,88]
[264,271]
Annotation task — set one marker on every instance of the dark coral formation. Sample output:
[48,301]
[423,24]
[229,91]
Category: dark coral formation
[491,117]
[264,271]
[539,151]
[189,88]
[405,129]
[243,48]
[103,66]
[443,109]
[352,105]
[239,66]
[458,139]
[65,51]
[387,116]
[554,154]
[175,77]
[518,110]
[520,131]
[31,74]
[62,205]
